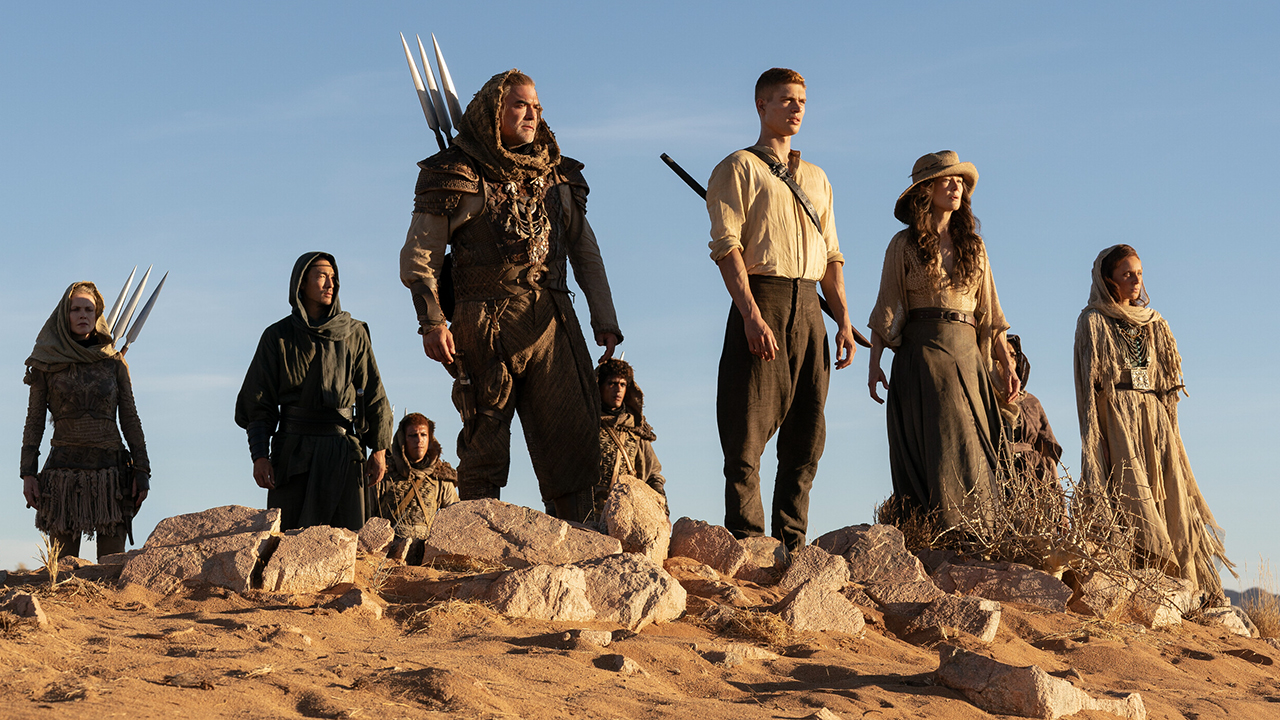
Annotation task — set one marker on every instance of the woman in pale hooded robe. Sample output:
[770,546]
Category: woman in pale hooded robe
[1128,374]
[90,485]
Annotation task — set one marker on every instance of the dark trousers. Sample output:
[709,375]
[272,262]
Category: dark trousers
[107,544]
[786,395]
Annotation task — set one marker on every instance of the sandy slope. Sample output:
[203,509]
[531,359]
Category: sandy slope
[213,654]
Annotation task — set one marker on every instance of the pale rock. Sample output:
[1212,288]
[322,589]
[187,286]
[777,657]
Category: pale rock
[813,564]
[1229,618]
[713,545]
[70,563]
[820,608]
[310,560]
[120,558]
[24,605]
[1006,582]
[514,535]
[893,596]
[399,549]
[1100,595]
[691,567]
[602,638]
[225,520]
[623,665]
[1161,601]
[822,714]
[1002,689]
[732,654]
[765,558]
[632,590]
[976,616]
[541,592]
[376,535]
[856,593]
[636,515]
[222,560]
[358,601]
[876,554]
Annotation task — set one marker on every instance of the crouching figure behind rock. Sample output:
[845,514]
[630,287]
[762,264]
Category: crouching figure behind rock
[626,439]
[418,482]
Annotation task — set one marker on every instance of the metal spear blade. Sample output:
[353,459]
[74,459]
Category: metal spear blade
[123,321]
[442,111]
[451,93]
[142,316]
[427,109]
[115,307]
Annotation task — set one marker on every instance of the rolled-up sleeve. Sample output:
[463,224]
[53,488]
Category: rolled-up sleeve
[727,206]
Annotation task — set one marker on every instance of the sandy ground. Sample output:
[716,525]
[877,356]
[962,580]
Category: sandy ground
[126,653]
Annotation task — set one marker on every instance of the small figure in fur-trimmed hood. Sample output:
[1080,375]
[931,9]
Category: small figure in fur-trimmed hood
[626,438]
[419,482]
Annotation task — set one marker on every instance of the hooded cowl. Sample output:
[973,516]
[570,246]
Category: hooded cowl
[56,347]
[479,137]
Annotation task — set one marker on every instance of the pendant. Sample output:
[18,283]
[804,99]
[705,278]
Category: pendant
[1140,378]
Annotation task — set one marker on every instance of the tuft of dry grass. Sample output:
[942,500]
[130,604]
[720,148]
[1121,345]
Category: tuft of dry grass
[464,564]
[757,626]
[49,550]
[1263,606]
[450,616]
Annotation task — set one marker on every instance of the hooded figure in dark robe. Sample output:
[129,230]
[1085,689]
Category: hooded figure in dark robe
[312,403]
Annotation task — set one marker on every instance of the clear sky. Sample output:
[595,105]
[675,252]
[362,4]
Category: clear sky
[221,140]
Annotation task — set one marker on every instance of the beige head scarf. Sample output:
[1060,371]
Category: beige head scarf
[56,347]
[1101,299]
[480,137]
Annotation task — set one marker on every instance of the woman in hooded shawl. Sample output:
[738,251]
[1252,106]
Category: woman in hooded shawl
[939,312]
[90,485]
[419,482]
[626,438]
[1128,374]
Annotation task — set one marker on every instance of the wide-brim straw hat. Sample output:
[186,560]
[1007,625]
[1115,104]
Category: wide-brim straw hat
[943,163]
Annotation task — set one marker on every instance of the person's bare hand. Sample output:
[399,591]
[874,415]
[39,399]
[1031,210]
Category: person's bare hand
[845,348]
[760,340]
[375,467]
[438,343]
[31,490]
[608,341]
[1012,386]
[877,376]
[264,474]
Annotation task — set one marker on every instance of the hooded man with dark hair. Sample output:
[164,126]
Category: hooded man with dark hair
[312,403]
[512,209]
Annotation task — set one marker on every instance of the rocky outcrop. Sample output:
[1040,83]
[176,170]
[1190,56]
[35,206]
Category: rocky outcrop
[636,515]
[513,535]
[709,544]
[816,607]
[311,560]
[1006,582]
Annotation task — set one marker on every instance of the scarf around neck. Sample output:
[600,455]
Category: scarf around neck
[1101,299]
[479,136]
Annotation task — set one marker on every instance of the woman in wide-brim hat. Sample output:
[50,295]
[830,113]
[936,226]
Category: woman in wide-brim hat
[938,311]
[1128,376]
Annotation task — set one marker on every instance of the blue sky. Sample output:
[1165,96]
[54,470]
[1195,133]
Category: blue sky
[221,141]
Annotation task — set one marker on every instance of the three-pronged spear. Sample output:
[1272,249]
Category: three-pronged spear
[428,108]
[438,102]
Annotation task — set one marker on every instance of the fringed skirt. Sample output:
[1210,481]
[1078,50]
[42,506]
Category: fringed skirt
[944,424]
[75,500]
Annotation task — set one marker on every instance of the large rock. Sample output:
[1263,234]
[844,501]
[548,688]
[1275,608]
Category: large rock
[703,581]
[214,522]
[636,515]
[903,597]
[223,560]
[1161,601]
[1232,619]
[376,535]
[1003,689]
[514,535]
[876,554]
[1006,582]
[765,558]
[632,590]
[817,607]
[1100,595]
[813,564]
[976,616]
[24,605]
[710,544]
[542,592]
[311,560]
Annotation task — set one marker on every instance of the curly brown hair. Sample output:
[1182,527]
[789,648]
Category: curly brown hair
[964,229]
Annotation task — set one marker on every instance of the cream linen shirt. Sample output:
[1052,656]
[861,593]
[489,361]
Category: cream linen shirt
[755,212]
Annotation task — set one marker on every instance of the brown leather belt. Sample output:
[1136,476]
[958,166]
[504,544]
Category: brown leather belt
[941,314]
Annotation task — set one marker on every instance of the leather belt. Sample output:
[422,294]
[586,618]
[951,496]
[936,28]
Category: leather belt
[941,314]
[491,282]
[296,420]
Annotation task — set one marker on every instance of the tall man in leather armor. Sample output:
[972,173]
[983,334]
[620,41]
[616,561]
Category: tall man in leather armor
[512,209]
[312,402]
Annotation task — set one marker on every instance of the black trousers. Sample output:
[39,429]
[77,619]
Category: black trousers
[757,398]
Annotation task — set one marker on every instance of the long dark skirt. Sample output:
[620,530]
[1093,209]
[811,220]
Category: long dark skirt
[944,424]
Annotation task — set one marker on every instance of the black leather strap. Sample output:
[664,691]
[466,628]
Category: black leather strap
[781,172]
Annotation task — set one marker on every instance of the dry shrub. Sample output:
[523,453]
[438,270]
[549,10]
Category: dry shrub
[450,617]
[757,626]
[50,548]
[465,564]
[1262,604]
